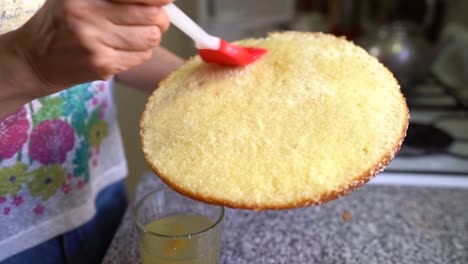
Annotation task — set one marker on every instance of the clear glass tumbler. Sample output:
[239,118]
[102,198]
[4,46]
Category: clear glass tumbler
[175,229]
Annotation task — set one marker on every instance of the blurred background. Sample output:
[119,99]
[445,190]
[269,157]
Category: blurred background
[423,42]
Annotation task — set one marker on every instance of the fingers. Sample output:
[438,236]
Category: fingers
[120,61]
[75,41]
[127,59]
[144,2]
[132,38]
[104,66]
[133,27]
[136,15]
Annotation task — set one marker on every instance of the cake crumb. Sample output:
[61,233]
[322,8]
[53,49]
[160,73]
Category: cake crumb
[346,216]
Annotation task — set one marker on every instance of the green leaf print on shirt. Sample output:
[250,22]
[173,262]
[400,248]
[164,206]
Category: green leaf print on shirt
[97,129]
[75,106]
[46,181]
[97,133]
[94,116]
[51,109]
[81,161]
[61,139]
[13,178]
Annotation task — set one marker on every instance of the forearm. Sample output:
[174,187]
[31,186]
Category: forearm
[17,81]
[146,76]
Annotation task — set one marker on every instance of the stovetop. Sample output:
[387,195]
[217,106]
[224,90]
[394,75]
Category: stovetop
[437,137]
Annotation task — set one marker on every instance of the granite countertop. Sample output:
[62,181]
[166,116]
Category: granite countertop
[375,224]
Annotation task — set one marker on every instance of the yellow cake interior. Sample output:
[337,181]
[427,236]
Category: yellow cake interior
[314,118]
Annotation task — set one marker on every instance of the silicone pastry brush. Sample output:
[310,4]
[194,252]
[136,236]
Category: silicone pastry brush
[210,48]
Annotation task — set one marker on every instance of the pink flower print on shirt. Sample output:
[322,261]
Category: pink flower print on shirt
[13,133]
[102,87]
[17,200]
[6,210]
[95,101]
[51,141]
[103,110]
[69,176]
[2,199]
[66,188]
[39,209]
[80,184]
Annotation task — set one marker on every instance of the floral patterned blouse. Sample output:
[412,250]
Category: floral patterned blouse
[56,154]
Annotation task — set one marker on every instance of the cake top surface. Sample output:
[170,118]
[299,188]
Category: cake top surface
[312,120]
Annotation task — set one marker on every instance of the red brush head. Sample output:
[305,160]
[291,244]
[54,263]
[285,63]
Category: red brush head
[229,54]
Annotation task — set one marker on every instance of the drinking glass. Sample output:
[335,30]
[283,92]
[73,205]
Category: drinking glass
[175,229]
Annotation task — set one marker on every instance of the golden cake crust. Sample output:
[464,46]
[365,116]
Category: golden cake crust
[325,197]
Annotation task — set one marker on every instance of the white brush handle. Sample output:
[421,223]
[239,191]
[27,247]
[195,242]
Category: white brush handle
[202,39]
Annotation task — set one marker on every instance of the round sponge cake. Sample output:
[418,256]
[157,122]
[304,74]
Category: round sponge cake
[313,119]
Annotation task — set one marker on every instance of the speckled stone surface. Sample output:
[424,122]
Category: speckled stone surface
[375,224]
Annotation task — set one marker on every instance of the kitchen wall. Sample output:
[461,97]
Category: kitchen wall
[457,11]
